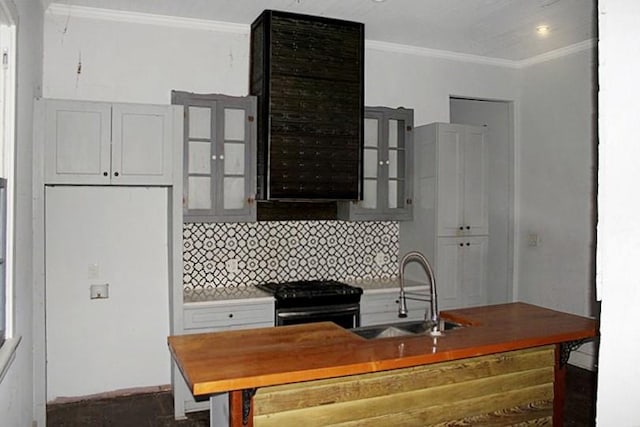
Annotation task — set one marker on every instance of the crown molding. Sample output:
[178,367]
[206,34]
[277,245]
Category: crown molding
[435,53]
[204,24]
[146,18]
[558,53]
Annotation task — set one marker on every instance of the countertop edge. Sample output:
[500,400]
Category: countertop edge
[203,389]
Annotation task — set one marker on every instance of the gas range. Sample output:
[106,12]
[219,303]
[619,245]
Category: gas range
[289,293]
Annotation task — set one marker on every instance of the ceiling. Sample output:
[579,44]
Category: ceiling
[503,29]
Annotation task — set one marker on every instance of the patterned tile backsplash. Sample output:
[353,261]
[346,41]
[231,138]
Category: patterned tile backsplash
[288,250]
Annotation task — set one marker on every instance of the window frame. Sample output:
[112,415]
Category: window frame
[8,46]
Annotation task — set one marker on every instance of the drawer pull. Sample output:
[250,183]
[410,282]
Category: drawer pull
[230,315]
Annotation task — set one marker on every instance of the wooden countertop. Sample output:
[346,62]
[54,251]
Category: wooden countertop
[235,360]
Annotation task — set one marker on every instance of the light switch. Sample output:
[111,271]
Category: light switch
[93,271]
[99,291]
[533,240]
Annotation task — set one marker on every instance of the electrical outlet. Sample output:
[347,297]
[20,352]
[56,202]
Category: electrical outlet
[232,266]
[380,259]
[533,240]
[99,291]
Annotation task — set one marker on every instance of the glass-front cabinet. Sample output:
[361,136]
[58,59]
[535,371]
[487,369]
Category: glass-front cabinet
[219,157]
[387,189]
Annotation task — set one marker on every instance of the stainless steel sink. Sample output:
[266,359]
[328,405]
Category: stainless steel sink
[401,329]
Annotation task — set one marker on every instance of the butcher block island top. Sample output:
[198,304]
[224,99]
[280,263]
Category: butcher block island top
[255,358]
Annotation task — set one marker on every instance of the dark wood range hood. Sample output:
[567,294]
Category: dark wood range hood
[308,75]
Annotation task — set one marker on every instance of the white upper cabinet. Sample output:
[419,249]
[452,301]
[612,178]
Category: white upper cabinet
[461,162]
[141,144]
[93,143]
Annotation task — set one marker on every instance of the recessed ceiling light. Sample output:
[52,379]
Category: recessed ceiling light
[543,30]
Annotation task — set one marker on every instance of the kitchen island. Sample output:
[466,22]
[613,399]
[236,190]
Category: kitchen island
[504,351]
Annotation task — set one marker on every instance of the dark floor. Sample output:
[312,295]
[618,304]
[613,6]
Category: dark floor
[580,397]
[156,409]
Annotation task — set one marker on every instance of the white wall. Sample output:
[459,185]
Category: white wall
[16,389]
[426,83]
[131,62]
[618,225]
[556,184]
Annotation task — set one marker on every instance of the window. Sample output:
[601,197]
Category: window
[3,260]
[7,147]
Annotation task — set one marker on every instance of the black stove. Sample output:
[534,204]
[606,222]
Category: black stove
[308,293]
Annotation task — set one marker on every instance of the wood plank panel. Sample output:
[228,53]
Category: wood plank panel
[298,395]
[418,396]
[442,414]
[533,414]
[412,409]
[527,415]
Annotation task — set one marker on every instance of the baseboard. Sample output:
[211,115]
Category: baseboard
[111,394]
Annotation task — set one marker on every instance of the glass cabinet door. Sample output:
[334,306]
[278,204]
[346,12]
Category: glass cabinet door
[387,173]
[396,161]
[233,157]
[199,123]
[372,162]
[219,157]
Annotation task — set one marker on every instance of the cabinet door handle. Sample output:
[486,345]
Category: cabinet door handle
[221,156]
[461,244]
[381,162]
[116,174]
[468,228]
[230,315]
[105,173]
[213,157]
[461,228]
[250,200]
[386,162]
[468,244]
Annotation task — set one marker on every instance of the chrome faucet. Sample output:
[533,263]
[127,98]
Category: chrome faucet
[433,295]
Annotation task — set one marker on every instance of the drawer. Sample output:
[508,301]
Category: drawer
[229,316]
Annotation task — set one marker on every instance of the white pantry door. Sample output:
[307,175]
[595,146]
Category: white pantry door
[115,236]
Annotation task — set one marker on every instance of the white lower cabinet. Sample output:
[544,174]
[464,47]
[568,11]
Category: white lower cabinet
[461,269]
[381,306]
[217,316]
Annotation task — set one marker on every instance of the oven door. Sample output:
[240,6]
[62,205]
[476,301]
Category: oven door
[345,315]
